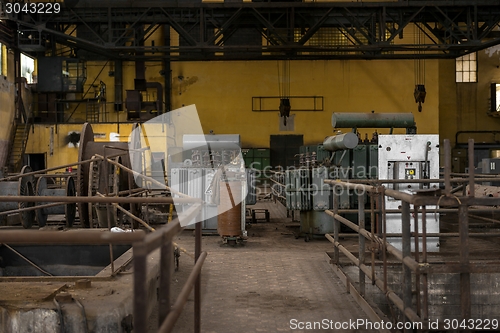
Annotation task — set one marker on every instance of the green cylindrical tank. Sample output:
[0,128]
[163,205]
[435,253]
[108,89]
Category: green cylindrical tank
[372,120]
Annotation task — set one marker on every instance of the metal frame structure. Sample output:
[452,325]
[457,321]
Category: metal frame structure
[416,266]
[280,29]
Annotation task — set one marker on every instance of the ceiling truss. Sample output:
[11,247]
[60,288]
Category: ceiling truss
[266,30]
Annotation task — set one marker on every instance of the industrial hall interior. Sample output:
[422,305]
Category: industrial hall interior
[249,166]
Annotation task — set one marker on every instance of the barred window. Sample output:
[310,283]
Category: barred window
[466,68]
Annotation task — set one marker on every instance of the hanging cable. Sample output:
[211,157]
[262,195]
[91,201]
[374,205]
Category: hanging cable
[419,65]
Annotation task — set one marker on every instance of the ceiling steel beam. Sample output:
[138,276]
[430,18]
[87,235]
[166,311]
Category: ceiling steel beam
[370,29]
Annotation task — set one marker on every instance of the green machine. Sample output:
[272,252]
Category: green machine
[341,156]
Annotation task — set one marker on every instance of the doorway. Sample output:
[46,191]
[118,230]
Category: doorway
[36,161]
[284,149]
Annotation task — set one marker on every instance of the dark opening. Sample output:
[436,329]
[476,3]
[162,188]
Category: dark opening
[36,161]
[284,148]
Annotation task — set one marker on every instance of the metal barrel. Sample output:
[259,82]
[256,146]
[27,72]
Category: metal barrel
[341,142]
[372,120]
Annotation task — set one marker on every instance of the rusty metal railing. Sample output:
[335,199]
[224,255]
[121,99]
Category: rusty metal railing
[142,245]
[416,266]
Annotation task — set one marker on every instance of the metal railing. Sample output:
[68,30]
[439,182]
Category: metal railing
[417,266]
[142,245]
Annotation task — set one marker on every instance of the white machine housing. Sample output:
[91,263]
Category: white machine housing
[409,157]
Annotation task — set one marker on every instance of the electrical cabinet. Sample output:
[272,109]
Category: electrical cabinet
[409,157]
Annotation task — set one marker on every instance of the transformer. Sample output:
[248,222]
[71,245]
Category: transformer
[345,156]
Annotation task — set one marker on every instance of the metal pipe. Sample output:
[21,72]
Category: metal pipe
[438,210]
[197,286]
[336,223]
[118,85]
[141,252]
[447,167]
[26,209]
[436,234]
[341,142]
[416,236]
[425,282]
[176,309]
[372,120]
[367,188]
[374,182]
[126,212]
[95,199]
[73,237]
[410,314]
[389,248]
[45,171]
[361,241]
[465,287]
[166,258]
[135,173]
[471,167]
[406,246]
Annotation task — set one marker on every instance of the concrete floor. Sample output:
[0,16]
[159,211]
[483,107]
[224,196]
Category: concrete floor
[265,284]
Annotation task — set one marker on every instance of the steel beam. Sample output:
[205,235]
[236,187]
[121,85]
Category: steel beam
[453,28]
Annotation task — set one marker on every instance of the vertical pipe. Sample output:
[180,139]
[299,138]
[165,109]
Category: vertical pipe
[166,261]
[425,285]
[471,167]
[167,86]
[406,250]
[384,235]
[463,229]
[118,85]
[361,223]
[447,167]
[336,224]
[417,257]
[140,291]
[372,242]
[197,286]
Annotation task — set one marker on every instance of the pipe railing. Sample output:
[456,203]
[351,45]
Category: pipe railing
[415,265]
[142,245]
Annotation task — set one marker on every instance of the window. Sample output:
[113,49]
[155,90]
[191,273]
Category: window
[27,67]
[466,68]
[495,98]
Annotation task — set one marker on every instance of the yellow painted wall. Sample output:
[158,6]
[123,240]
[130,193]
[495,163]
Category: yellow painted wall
[223,91]
[465,106]
[51,140]
[223,94]
[7,103]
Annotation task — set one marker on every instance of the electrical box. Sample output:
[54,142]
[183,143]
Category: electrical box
[409,157]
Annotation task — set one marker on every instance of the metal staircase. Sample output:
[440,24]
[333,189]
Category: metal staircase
[19,139]
[18,147]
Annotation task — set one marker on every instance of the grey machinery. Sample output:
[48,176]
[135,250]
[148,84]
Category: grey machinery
[346,156]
